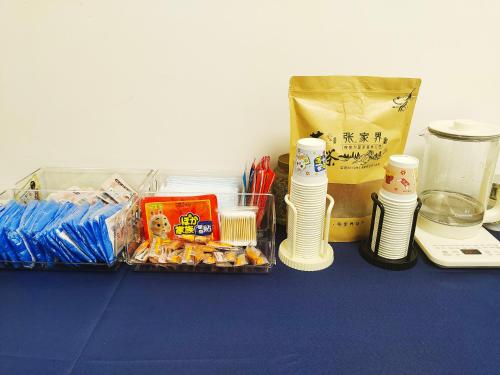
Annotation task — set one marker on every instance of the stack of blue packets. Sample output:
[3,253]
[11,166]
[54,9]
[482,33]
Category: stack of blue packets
[49,232]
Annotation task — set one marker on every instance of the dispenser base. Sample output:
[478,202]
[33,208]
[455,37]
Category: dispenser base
[390,264]
[315,264]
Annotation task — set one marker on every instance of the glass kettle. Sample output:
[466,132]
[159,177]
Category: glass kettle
[459,162]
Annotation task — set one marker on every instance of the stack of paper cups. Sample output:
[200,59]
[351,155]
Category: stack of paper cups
[399,197]
[306,247]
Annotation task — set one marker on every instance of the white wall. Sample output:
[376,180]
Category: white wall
[192,83]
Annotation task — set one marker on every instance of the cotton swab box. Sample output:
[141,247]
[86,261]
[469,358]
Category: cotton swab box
[239,227]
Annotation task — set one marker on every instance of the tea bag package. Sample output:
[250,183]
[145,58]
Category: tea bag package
[363,120]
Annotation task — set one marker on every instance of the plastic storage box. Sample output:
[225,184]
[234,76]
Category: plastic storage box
[161,185]
[30,243]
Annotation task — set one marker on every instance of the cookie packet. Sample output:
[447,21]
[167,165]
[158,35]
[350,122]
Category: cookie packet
[175,257]
[208,258]
[230,256]
[220,259]
[116,190]
[241,260]
[256,257]
[141,254]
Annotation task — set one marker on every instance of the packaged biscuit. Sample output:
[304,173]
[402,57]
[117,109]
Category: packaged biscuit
[230,256]
[219,257]
[190,247]
[141,254]
[208,258]
[363,121]
[241,260]
[198,255]
[174,245]
[220,245]
[155,250]
[192,219]
[116,190]
[187,237]
[201,239]
[206,248]
[163,258]
[261,261]
[256,257]
[175,257]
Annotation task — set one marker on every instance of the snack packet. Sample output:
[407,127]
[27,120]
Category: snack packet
[207,249]
[173,245]
[230,256]
[241,260]
[220,259]
[163,258]
[155,250]
[175,257]
[220,245]
[187,257]
[141,254]
[181,218]
[198,255]
[116,190]
[363,120]
[208,258]
[256,257]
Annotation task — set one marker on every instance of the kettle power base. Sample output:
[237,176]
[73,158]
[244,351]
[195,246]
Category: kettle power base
[482,250]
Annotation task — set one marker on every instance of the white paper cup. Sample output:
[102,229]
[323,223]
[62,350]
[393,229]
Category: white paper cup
[318,201]
[309,206]
[401,177]
[388,248]
[398,205]
[308,185]
[310,161]
[391,197]
[307,196]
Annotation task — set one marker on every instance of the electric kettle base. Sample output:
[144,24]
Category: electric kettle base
[482,250]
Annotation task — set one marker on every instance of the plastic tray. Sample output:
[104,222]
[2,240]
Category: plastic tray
[265,230]
[39,184]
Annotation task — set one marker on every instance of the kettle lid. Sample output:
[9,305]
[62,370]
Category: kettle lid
[465,130]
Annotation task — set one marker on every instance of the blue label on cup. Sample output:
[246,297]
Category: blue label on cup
[320,163]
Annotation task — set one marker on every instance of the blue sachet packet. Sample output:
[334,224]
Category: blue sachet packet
[103,228]
[45,212]
[84,227]
[19,241]
[3,210]
[70,227]
[76,249]
[8,253]
[15,238]
[67,247]
[48,238]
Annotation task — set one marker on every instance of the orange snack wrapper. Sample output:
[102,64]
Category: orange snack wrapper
[181,218]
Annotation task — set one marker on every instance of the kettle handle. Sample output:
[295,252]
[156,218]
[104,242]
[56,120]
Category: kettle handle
[493,214]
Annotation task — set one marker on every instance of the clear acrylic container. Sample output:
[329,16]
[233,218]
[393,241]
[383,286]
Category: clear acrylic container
[121,228]
[158,187]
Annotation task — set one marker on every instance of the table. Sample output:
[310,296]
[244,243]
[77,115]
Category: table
[351,318]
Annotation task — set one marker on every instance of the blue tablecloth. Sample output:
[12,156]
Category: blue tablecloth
[351,318]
